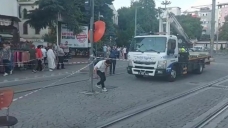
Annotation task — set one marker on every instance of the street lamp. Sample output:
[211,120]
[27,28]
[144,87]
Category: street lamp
[136,11]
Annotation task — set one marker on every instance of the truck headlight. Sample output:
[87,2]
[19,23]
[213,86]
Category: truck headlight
[130,63]
[162,64]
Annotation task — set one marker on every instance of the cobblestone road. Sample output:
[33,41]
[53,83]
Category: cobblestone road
[65,106]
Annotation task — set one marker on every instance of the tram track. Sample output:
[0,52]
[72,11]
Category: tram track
[41,80]
[62,84]
[119,119]
[213,115]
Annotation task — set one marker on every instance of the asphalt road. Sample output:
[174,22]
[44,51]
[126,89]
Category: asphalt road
[64,105]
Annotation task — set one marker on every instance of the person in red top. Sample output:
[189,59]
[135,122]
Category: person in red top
[39,57]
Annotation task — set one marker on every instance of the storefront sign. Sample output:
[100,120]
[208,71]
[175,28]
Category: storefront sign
[35,40]
[5,22]
[74,41]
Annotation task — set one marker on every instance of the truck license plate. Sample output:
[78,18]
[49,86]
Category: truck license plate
[142,72]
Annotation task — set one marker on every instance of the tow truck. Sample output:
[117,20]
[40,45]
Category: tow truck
[160,55]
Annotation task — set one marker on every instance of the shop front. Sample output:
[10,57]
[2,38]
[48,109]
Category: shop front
[9,18]
[78,44]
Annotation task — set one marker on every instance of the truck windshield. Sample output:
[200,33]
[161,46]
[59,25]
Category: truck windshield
[149,44]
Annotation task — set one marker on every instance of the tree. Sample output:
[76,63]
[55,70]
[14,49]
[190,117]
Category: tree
[72,11]
[47,14]
[147,16]
[191,25]
[205,37]
[146,20]
[223,34]
[51,35]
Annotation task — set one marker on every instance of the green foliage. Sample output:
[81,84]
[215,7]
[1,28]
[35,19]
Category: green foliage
[223,35]
[73,14]
[107,13]
[47,14]
[205,37]
[146,20]
[51,36]
[191,25]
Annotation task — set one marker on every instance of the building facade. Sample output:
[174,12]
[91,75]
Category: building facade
[205,15]
[115,15]
[222,13]
[26,31]
[9,19]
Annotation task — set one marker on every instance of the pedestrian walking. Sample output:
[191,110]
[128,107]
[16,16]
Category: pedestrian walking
[39,57]
[100,69]
[119,52]
[51,59]
[125,52]
[11,59]
[34,61]
[6,57]
[60,54]
[44,53]
[113,56]
[66,50]
[105,51]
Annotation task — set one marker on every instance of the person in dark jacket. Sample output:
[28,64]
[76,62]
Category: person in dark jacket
[60,54]
[33,62]
[113,56]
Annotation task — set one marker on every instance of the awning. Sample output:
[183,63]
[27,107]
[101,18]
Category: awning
[6,35]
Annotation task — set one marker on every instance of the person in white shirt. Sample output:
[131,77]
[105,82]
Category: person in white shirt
[125,52]
[44,53]
[100,69]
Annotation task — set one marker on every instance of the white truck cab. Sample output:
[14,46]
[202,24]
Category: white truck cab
[152,55]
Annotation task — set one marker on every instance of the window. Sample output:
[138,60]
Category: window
[25,13]
[149,44]
[171,45]
[37,31]
[25,28]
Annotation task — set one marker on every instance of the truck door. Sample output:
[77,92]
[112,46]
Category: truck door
[172,52]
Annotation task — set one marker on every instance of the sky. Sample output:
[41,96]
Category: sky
[183,4]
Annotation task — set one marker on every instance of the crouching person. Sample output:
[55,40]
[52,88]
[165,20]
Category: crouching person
[100,69]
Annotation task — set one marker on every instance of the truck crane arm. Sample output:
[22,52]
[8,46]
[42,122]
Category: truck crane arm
[176,25]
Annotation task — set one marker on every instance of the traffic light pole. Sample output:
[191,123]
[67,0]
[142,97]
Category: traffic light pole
[91,43]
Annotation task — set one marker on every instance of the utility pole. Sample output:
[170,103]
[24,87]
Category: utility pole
[167,16]
[99,15]
[136,11]
[217,40]
[212,28]
[91,42]
[166,3]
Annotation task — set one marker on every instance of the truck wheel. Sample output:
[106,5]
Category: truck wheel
[139,76]
[173,75]
[200,69]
